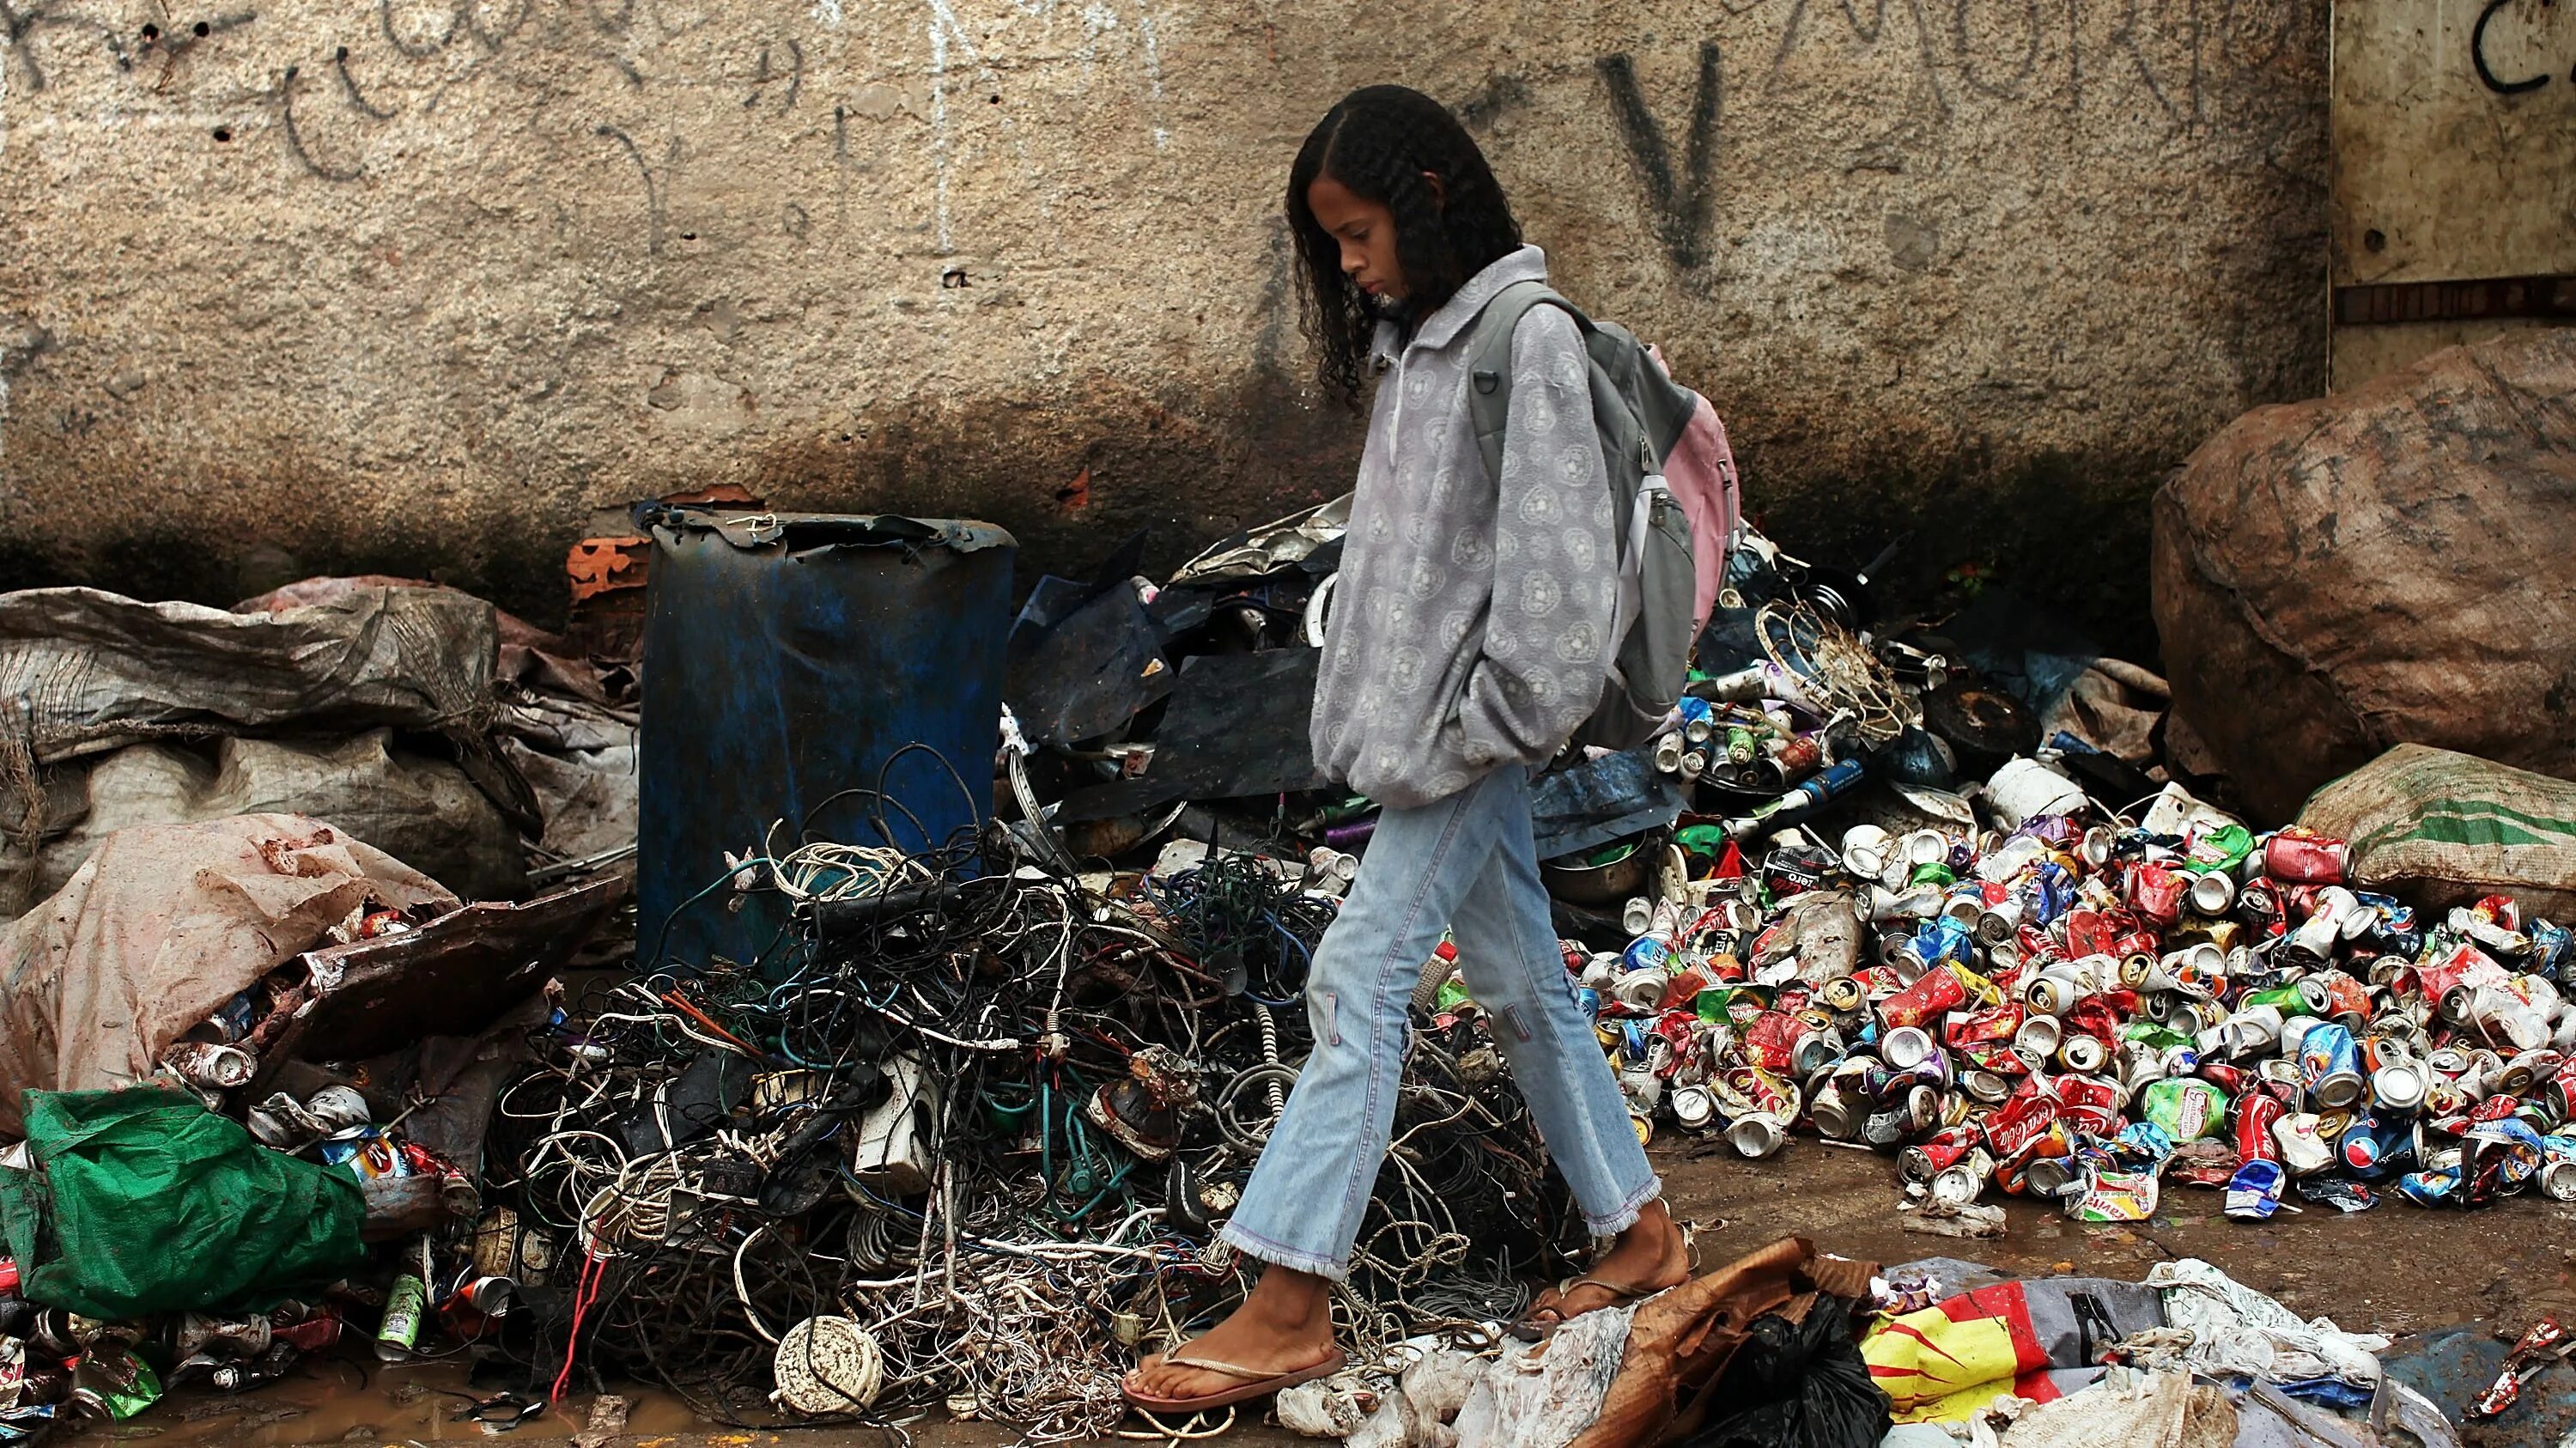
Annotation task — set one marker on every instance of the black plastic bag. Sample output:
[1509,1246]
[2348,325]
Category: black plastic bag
[1796,1385]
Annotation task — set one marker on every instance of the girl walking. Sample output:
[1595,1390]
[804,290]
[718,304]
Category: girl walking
[1469,639]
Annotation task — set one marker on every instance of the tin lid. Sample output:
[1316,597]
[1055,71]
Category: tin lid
[1905,1047]
[1692,1106]
[2337,1088]
[1957,1186]
[2398,1086]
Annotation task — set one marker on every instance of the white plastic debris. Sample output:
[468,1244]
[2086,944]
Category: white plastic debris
[1397,1423]
[1331,1407]
[1438,1382]
[2154,1410]
[1934,1217]
[2237,1330]
[1544,1396]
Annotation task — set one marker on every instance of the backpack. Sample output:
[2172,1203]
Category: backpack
[1673,502]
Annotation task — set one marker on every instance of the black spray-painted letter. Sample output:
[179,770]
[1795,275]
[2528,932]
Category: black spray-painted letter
[1681,204]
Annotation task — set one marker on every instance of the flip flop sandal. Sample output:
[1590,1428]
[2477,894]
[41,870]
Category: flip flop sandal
[1254,1384]
[1533,1329]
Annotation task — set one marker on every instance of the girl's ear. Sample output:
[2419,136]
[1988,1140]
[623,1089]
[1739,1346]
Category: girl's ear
[1439,193]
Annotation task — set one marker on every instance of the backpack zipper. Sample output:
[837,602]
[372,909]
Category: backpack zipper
[1395,419]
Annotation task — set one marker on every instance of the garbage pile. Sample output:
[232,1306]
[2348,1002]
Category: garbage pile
[2188,1355]
[420,719]
[956,1133]
[1789,1345]
[248,1075]
[960,1140]
[1765,1349]
[2074,1006]
[1853,889]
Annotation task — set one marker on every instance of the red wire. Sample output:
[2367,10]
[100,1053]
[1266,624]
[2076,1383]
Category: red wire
[594,1272]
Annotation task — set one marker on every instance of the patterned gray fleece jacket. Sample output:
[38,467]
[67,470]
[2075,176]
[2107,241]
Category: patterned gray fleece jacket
[1470,626]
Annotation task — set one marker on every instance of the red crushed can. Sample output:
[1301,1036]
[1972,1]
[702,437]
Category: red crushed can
[2256,1114]
[1675,1030]
[1709,924]
[2089,932]
[2499,911]
[1771,1042]
[2494,1108]
[2009,982]
[2156,893]
[2544,1341]
[1937,993]
[2041,1167]
[2561,1091]
[2089,1104]
[2223,1076]
[2093,1016]
[2259,905]
[2036,943]
[1760,1089]
[1970,1028]
[310,1329]
[1683,990]
[2465,968]
[1996,1056]
[2138,942]
[2012,1127]
[1879,982]
[1937,1153]
[2301,856]
[2345,996]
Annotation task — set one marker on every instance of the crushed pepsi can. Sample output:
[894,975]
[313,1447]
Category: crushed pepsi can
[2330,1066]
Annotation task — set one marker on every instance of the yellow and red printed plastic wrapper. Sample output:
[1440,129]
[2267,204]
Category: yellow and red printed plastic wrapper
[1943,1363]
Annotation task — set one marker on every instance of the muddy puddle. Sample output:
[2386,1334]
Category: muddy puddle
[333,1400]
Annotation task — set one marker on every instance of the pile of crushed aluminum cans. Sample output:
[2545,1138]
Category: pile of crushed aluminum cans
[2076,1007]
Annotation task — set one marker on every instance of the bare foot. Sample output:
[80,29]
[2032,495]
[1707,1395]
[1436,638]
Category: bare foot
[1648,1257]
[1284,1326]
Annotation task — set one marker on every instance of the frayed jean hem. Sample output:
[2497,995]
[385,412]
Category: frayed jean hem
[1628,1213]
[1280,1255]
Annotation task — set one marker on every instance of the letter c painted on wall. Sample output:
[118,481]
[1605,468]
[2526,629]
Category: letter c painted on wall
[2478,56]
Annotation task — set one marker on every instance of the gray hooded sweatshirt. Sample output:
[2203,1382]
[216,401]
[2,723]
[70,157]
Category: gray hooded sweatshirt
[1470,627]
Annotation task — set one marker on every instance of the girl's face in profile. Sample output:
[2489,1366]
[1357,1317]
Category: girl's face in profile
[1365,231]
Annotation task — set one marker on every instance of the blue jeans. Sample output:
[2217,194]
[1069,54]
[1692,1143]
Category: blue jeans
[1467,862]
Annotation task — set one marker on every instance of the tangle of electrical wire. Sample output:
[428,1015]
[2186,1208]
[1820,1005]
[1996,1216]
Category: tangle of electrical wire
[706,1149]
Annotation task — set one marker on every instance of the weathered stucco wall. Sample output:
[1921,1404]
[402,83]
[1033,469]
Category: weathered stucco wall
[288,285]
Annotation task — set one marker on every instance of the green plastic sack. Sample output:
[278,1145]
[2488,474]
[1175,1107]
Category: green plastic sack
[143,1201]
[2438,829]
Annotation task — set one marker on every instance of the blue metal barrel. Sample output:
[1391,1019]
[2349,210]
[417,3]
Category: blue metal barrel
[788,657]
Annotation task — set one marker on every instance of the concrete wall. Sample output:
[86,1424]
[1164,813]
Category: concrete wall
[288,285]
[2452,122]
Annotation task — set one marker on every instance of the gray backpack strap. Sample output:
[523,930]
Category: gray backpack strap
[1489,362]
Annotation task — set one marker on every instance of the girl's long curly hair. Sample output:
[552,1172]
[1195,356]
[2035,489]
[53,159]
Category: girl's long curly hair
[1380,142]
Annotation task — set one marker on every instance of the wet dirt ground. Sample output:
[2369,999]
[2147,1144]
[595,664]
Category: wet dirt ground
[2396,1269]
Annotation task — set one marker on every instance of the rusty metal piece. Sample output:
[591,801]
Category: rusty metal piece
[604,565]
[452,976]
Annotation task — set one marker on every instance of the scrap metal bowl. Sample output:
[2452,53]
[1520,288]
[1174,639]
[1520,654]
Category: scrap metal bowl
[1603,884]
